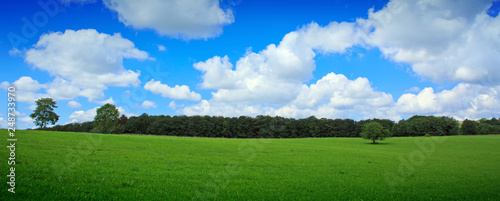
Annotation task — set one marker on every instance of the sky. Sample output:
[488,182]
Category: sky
[333,59]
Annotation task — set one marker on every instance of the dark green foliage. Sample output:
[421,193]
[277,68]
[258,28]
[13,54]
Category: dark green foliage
[491,126]
[421,125]
[469,127]
[106,118]
[44,112]
[74,127]
[280,127]
[374,131]
[386,123]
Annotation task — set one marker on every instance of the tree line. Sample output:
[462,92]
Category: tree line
[280,127]
[108,120]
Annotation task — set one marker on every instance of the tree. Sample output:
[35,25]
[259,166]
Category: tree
[374,131]
[469,127]
[106,118]
[44,112]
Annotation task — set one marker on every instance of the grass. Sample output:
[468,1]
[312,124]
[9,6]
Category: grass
[81,166]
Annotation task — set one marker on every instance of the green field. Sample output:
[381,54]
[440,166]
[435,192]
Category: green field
[81,166]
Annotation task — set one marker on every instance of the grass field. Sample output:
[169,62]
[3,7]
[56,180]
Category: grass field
[81,166]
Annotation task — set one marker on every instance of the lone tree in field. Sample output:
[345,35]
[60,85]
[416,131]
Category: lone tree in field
[44,112]
[374,131]
[106,118]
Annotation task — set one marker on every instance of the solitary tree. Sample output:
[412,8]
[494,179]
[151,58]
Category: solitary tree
[106,118]
[44,112]
[374,131]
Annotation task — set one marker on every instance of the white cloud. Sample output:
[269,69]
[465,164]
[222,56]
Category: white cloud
[148,104]
[463,101]
[63,89]
[442,40]
[4,85]
[26,88]
[104,102]
[177,92]
[15,52]
[74,104]
[223,109]
[123,112]
[26,119]
[333,96]
[413,89]
[3,122]
[161,48]
[32,107]
[84,62]
[27,84]
[187,19]
[172,105]
[82,116]
[275,74]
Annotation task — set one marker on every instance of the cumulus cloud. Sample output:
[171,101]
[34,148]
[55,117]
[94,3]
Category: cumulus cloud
[177,92]
[148,104]
[26,119]
[333,96]
[26,89]
[463,101]
[187,19]
[341,92]
[214,108]
[74,104]
[84,62]
[82,116]
[28,84]
[272,80]
[275,74]
[441,40]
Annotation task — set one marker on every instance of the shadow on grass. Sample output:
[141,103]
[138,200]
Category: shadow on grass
[378,143]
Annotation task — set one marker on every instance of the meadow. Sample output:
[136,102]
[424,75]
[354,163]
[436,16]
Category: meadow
[82,166]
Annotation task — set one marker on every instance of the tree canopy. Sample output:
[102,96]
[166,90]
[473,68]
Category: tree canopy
[44,112]
[106,118]
[374,131]
[279,127]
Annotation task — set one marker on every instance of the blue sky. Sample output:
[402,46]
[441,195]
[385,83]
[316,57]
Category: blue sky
[334,59]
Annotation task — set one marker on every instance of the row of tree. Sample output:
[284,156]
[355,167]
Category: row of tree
[107,120]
